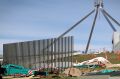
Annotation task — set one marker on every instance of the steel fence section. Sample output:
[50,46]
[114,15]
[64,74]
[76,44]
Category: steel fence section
[30,54]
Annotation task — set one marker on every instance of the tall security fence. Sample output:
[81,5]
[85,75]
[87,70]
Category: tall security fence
[40,53]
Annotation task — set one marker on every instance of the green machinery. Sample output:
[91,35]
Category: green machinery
[12,69]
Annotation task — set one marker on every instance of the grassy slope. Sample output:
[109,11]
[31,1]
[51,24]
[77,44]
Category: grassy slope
[113,58]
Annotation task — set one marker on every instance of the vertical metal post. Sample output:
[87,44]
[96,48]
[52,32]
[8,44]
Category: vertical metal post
[34,51]
[68,51]
[58,53]
[29,57]
[5,53]
[16,53]
[72,50]
[22,54]
[55,53]
[48,53]
[43,54]
[19,52]
[52,54]
[62,52]
[39,53]
[65,51]
[11,54]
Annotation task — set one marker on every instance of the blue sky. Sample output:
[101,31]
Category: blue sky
[24,20]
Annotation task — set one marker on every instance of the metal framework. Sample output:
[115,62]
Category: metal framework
[98,4]
[99,7]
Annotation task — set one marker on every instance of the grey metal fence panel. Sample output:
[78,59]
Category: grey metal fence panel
[40,53]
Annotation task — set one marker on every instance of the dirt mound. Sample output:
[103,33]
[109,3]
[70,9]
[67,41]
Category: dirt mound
[72,72]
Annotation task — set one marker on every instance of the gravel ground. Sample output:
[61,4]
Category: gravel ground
[114,78]
[95,77]
[81,77]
